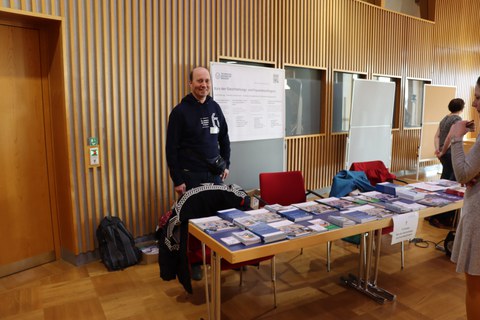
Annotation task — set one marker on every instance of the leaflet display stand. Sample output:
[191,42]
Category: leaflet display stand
[370,134]
[435,98]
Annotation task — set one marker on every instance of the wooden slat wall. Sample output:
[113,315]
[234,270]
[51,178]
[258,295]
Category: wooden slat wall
[457,57]
[127,63]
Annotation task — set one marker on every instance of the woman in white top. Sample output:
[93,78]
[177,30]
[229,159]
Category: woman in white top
[466,247]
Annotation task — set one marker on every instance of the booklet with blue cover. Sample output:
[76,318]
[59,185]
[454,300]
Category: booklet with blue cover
[337,203]
[231,214]
[339,220]
[387,187]
[246,237]
[267,232]
[213,224]
[292,229]
[314,207]
[358,216]
[295,214]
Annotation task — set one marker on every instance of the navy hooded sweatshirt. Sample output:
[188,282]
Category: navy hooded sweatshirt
[195,130]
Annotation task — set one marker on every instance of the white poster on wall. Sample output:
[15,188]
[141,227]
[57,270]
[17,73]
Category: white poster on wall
[252,100]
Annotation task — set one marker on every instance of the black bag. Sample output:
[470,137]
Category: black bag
[448,243]
[116,244]
[216,165]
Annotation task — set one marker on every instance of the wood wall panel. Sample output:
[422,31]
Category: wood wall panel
[250,29]
[126,65]
[350,36]
[404,149]
[304,34]
[456,56]
[388,42]
[419,58]
[316,158]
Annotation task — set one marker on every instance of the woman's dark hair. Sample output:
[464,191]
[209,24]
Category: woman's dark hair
[456,105]
[478,81]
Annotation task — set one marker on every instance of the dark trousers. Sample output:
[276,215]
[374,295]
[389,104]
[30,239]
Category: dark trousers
[195,179]
[447,167]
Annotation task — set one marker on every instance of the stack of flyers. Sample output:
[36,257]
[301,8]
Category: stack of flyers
[291,229]
[246,237]
[314,207]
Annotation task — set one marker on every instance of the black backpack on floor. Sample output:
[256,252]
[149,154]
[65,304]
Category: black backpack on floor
[116,244]
[448,243]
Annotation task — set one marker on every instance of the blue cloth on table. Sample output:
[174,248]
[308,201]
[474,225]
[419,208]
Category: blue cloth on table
[346,181]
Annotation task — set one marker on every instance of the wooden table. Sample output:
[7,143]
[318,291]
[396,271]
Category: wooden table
[364,282]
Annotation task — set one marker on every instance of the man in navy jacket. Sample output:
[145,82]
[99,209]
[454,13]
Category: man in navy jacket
[197,132]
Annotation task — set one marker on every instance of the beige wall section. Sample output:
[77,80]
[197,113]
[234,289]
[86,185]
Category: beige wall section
[126,65]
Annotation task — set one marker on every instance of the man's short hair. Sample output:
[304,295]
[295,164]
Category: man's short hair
[191,72]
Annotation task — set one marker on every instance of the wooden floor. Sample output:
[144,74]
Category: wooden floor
[428,288]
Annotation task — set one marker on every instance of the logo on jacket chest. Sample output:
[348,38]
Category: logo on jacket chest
[215,123]
[204,122]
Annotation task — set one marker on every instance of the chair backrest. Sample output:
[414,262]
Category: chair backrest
[376,171]
[283,188]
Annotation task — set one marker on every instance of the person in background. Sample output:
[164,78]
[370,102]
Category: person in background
[466,246]
[442,139]
[442,151]
[197,132]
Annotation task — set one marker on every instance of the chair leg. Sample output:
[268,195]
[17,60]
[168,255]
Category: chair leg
[329,251]
[274,282]
[241,277]
[402,254]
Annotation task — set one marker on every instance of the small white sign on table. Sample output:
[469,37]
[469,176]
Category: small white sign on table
[404,226]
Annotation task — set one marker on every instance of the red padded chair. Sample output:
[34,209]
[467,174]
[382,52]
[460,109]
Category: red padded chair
[374,170]
[285,188]
[377,172]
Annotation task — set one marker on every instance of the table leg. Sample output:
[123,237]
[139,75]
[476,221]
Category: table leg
[372,285]
[216,279]
[361,258]
[378,243]
[362,282]
[207,296]
[368,259]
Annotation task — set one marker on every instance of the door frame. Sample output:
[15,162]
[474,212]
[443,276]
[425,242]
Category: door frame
[58,165]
